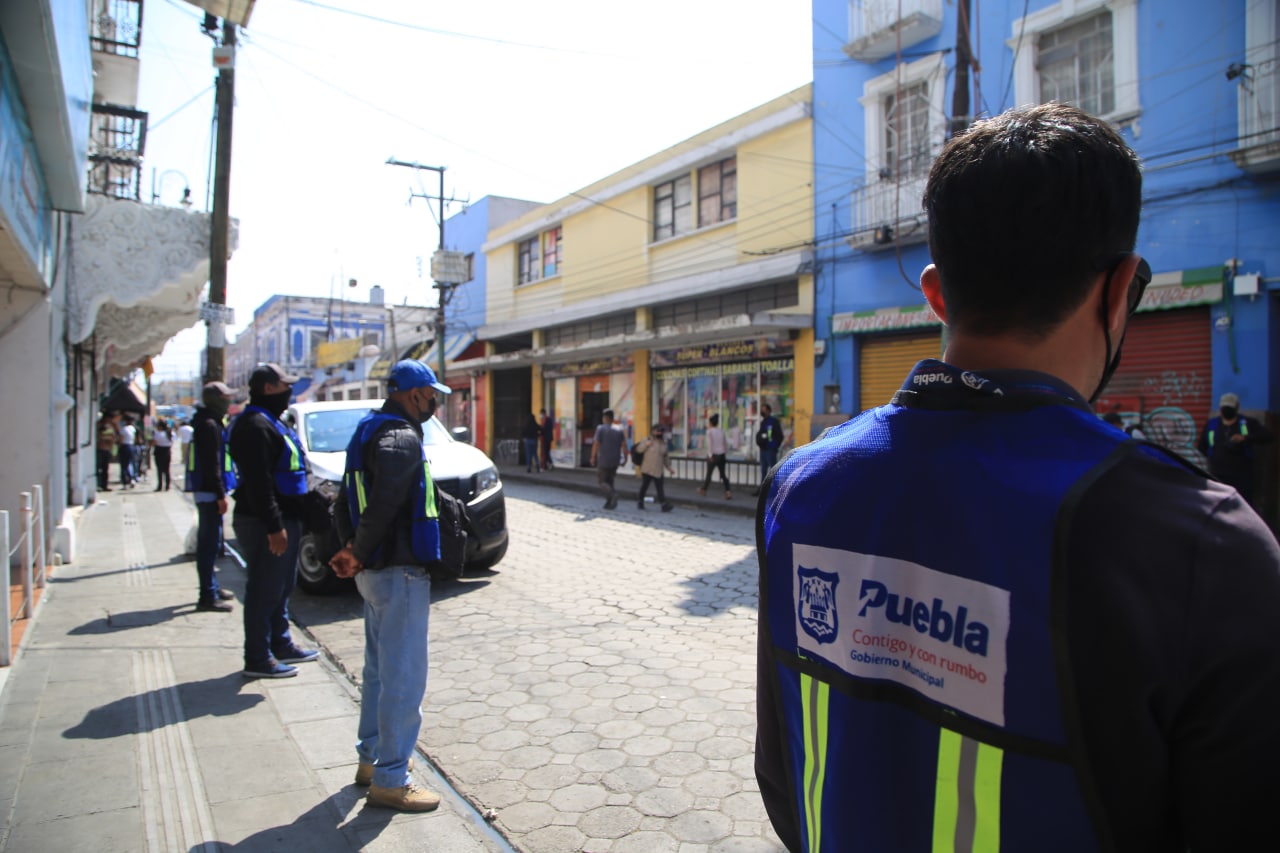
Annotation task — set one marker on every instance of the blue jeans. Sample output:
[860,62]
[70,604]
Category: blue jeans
[266,593]
[208,543]
[768,458]
[125,457]
[530,454]
[397,604]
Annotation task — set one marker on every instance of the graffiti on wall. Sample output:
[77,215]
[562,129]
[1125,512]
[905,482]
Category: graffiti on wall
[1168,407]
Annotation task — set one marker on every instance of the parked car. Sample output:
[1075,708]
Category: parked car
[459,469]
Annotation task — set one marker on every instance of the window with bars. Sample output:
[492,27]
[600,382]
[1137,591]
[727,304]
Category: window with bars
[765,297]
[907,152]
[552,241]
[673,208]
[593,329]
[1076,64]
[718,192]
[528,270]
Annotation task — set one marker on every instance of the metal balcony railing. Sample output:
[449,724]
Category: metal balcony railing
[117,141]
[116,27]
[885,209]
[878,27]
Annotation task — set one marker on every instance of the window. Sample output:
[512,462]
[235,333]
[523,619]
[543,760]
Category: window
[1077,66]
[718,192]
[528,261]
[907,145]
[471,266]
[1081,52]
[551,243]
[672,208]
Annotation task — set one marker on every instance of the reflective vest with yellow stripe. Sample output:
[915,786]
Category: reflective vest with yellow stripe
[424,515]
[192,482]
[290,471]
[913,624]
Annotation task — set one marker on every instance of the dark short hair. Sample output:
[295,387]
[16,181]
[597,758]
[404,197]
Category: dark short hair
[715,420]
[607,413]
[1025,209]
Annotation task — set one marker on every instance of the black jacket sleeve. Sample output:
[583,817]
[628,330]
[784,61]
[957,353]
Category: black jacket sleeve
[394,457]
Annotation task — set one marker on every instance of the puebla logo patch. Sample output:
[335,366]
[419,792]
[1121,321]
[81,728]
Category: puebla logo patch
[817,606]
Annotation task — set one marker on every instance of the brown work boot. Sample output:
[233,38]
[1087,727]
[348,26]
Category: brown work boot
[364,773]
[728,495]
[410,798]
[702,492]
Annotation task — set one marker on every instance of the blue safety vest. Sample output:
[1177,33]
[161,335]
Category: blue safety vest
[1216,424]
[912,604]
[425,515]
[290,470]
[192,479]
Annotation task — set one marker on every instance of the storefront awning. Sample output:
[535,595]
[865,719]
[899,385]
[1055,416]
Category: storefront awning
[453,347]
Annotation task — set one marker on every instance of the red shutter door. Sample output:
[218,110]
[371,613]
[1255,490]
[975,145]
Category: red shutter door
[1165,377]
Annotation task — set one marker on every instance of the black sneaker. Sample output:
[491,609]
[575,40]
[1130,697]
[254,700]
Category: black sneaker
[667,507]
[270,669]
[213,606]
[640,505]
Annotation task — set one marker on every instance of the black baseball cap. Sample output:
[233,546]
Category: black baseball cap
[266,373]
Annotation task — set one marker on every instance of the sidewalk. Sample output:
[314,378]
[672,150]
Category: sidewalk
[125,724]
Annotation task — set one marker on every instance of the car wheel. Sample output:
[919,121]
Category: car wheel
[488,561]
[314,574]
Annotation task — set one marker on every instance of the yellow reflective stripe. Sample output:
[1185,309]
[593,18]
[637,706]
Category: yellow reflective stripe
[430,509]
[986,799]
[946,792]
[361,503]
[295,463]
[966,805]
[814,696]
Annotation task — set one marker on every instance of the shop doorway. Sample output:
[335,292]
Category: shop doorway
[591,405]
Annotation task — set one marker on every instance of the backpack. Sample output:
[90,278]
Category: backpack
[455,525]
[637,456]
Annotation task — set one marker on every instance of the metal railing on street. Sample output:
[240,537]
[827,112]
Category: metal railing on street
[32,551]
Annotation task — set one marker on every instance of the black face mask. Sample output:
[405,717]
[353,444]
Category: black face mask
[274,403]
[1142,277]
[1229,412]
[425,413]
[218,407]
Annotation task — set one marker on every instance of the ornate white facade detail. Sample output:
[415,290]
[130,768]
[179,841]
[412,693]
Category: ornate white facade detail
[137,272]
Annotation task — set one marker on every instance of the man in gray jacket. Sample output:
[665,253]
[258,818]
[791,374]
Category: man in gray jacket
[387,517]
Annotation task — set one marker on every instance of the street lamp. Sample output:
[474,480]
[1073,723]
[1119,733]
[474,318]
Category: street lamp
[158,185]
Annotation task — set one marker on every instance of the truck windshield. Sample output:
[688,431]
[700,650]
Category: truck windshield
[330,431]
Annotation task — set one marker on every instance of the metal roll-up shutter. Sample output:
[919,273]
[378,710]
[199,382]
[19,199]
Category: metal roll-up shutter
[885,361]
[1165,377]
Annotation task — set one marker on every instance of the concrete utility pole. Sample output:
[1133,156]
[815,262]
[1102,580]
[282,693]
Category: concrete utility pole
[445,288]
[219,238]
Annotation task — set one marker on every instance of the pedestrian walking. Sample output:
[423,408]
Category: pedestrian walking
[209,480]
[987,618]
[272,472]
[1229,441]
[546,436]
[768,440]
[128,437]
[387,516]
[530,434]
[608,451]
[184,438]
[717,453]
[655,464]
[162,446]
[107,442]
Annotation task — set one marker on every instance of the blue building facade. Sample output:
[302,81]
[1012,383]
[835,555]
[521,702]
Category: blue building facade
[1193,87]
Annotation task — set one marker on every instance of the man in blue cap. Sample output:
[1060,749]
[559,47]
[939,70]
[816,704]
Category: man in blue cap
[387,518]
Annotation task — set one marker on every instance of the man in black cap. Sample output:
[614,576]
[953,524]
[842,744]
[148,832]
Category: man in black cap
[208,479]
[272,471]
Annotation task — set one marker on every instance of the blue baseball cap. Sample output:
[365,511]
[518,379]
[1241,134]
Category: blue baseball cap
[410,373]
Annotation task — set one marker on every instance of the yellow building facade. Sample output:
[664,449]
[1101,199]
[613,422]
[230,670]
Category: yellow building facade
[673,290]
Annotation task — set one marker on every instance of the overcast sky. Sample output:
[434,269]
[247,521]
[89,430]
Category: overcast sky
[520,99]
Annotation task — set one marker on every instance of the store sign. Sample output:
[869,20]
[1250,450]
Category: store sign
[721,352]
[1180,295]
[775,365]
[884,320]
[604,364]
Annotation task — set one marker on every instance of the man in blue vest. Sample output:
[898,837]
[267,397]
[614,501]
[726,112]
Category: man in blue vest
[1228,443]
[988,620]
[768,440]
[208,485]
[386,514]
[272,472]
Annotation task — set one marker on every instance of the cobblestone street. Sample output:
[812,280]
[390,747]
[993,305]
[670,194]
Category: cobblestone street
[597,692]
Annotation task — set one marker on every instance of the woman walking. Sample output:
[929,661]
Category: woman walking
[162,443]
